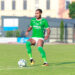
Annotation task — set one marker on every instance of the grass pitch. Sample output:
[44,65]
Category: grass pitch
[61,59]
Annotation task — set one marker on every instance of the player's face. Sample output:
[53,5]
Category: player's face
[37,14]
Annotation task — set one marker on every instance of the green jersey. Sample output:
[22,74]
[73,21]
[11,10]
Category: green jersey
[38,27]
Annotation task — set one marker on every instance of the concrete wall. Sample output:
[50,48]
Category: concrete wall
[8,40]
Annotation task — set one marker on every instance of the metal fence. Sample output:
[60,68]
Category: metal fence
[69,29]
[68,34]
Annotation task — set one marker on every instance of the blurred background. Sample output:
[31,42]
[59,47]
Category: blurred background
[15,16]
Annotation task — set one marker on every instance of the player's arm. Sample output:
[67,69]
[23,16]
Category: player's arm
[48,33]
[29,29]
[47,30]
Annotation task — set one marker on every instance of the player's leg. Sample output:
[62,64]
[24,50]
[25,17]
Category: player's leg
[41,50]
[28,47]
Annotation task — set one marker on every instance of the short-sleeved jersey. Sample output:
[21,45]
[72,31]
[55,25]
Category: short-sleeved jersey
[38,27]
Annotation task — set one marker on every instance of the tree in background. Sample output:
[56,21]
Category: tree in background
[72,10]
[62,31]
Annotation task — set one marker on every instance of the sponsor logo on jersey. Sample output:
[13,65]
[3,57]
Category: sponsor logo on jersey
[37,27]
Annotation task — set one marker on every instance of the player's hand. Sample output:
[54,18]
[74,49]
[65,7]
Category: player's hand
[26,34]
[46,37]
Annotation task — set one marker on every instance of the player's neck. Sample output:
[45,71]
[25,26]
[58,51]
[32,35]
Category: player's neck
[39,18]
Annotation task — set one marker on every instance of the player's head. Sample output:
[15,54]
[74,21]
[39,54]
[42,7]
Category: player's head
[38,13]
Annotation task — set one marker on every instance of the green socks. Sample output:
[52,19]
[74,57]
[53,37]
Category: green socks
[42,54]
[28,47]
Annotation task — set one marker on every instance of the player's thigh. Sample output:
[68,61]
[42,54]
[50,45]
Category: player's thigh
[32,41]
[40,42]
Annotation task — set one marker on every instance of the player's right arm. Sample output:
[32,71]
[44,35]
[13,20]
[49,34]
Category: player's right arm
[29,29]
[27,32]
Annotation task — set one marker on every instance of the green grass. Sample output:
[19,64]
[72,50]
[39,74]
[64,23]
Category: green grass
[61,59]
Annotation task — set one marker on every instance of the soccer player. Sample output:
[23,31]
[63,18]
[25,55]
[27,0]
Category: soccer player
[38,26]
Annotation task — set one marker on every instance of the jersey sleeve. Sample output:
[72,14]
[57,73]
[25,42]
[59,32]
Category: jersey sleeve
[31,24]
[46,24]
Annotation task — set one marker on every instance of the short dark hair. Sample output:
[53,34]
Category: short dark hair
[40,10]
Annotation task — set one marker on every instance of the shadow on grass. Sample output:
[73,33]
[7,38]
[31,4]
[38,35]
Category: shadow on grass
[51,64]
[62,63]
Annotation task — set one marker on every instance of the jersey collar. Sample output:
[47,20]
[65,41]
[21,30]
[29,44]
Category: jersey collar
[39,20]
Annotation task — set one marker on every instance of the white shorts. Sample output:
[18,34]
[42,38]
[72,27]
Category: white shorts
[36,39]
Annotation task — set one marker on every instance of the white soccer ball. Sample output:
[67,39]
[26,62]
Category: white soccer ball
[22,63]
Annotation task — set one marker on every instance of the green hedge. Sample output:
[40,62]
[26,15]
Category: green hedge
[13,33]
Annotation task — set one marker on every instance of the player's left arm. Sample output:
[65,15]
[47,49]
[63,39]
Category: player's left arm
[47,30]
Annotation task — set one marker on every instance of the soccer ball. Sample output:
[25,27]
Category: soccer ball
[22,63]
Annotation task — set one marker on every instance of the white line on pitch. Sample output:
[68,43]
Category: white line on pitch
[18,68]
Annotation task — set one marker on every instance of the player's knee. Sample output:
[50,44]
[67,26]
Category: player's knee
[28,43]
